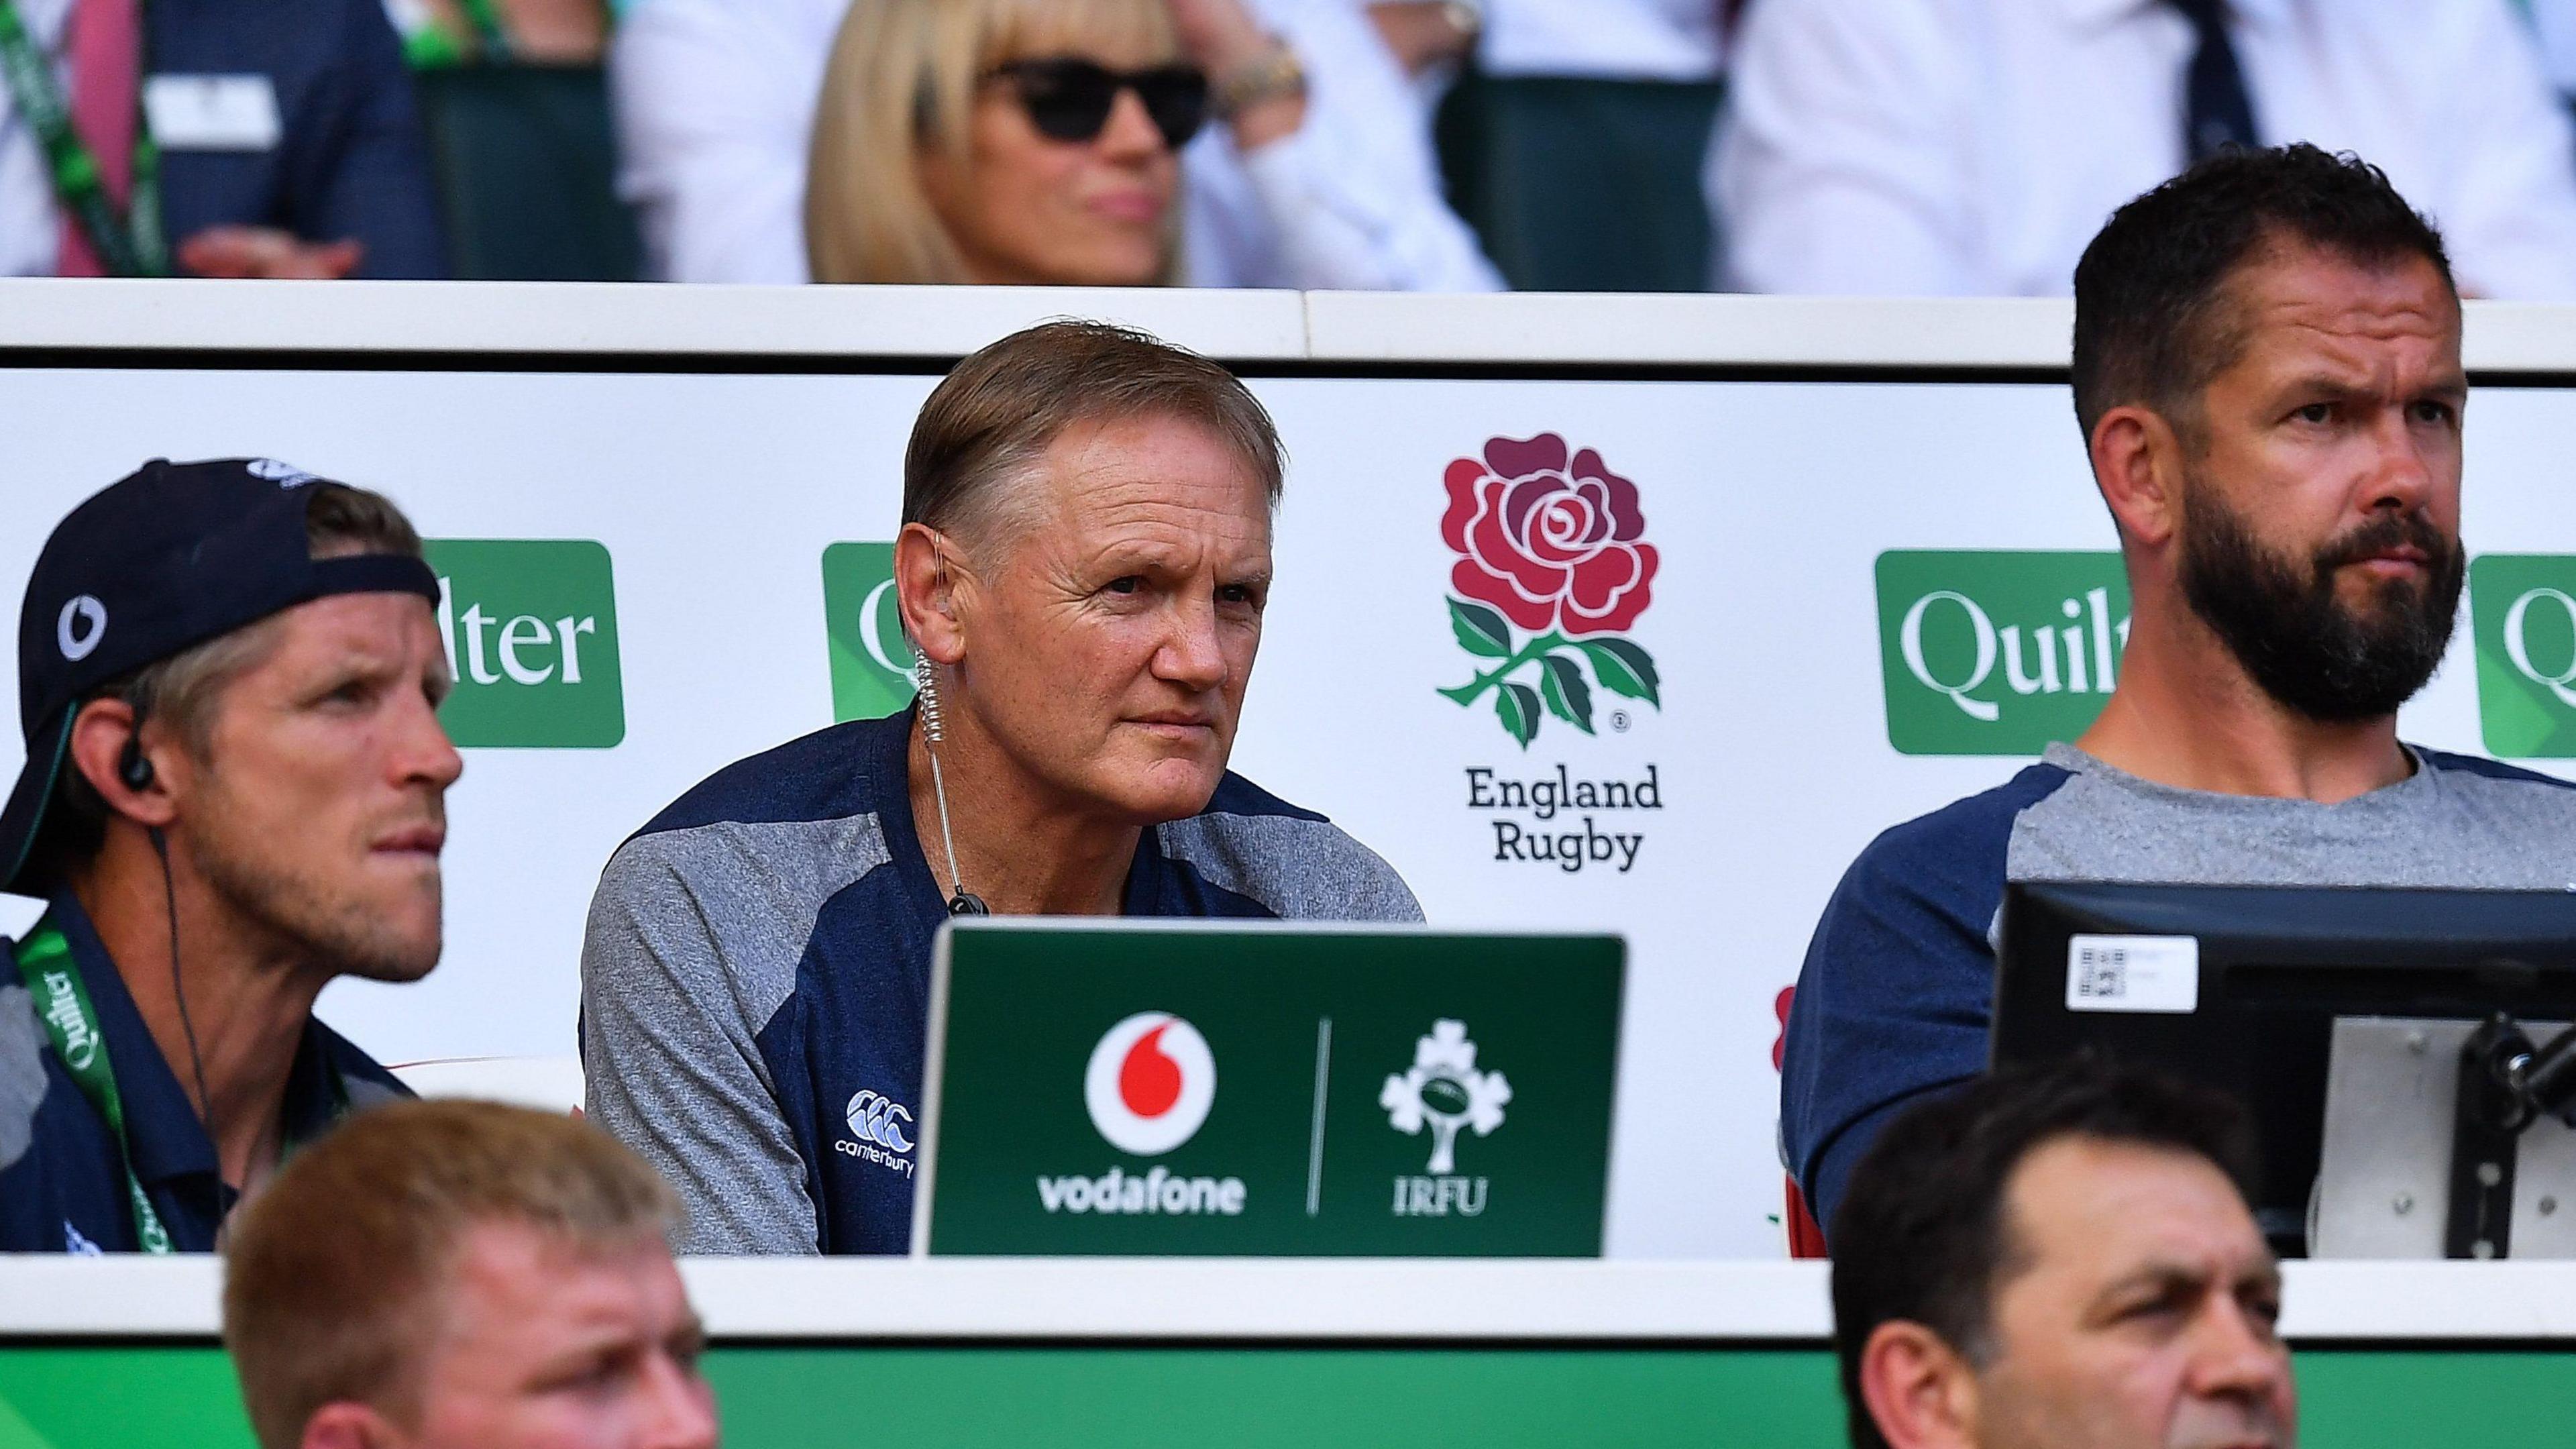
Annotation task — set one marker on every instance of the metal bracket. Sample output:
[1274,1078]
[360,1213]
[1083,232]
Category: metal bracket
[2487,1119]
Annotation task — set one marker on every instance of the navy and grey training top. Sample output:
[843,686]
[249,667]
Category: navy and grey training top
[1898,988]
[755,983]
[62,1187]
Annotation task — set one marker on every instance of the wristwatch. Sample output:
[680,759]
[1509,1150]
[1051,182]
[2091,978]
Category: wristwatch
[1274,75]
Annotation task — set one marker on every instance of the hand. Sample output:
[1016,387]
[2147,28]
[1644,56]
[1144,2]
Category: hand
[262,251]
[1421,33]
[1222,37]
[1218,34]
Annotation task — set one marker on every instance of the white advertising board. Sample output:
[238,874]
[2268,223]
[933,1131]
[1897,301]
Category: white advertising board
[1834,593]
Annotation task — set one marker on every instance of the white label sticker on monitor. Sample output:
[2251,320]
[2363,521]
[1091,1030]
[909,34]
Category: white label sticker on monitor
[2133,973]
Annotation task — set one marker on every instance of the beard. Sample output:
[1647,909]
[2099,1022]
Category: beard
[321,924]
[2297,640]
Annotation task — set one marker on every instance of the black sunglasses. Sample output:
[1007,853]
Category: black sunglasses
[1069,98]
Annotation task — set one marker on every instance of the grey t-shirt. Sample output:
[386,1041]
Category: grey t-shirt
[1897,991]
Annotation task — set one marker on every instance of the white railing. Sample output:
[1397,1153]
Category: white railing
[1039,1299]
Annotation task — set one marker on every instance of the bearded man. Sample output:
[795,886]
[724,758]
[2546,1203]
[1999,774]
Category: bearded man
[2267,371]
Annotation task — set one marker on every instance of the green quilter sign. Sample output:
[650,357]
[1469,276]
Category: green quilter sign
[1267,1090]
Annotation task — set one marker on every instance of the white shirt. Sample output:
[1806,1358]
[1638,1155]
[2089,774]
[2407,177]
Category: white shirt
[1673,40]
[31,229]
[2553,23]
[1976,146]
[715,103]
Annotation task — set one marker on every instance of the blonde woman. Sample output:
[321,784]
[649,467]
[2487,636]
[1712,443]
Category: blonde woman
[1007,141]
[1309,168]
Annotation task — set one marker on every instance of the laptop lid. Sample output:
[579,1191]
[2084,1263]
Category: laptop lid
[1266,1089]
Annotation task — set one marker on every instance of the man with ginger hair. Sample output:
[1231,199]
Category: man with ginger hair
[465,1275]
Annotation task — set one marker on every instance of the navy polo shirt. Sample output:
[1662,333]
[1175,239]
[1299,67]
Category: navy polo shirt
[62,1186]
[755,983]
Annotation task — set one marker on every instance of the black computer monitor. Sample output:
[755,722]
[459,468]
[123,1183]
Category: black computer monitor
[2239,987]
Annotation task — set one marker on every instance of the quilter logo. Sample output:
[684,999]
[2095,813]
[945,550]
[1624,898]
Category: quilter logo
[871,662]
[1997,653]
[2522,611]
[530,627]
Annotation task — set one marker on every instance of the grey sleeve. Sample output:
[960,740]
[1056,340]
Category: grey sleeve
[1304,870]
[1354,883]
[22,1070]
[673,1070]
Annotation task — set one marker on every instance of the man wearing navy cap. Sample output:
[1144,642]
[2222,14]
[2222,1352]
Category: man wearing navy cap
[229,675]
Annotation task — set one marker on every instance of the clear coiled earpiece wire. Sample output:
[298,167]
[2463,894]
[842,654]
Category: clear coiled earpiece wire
[962,902]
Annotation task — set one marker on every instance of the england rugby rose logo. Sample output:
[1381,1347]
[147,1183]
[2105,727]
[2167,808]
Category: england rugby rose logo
[1550,543]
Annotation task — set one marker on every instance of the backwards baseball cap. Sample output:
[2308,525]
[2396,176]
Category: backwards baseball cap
[148,567]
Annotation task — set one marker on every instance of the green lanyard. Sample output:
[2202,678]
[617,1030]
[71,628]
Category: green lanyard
[129,245]
[430,47]
[62,1001]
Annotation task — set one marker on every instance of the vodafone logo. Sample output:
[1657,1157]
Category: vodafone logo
[1150,1083]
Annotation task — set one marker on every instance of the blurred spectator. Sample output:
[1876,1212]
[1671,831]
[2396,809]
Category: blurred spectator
[1974,146]
[514,95]
[2553,24]
[541,32]
[465,1275]
[283,133]
[1309,185]
[1575,143]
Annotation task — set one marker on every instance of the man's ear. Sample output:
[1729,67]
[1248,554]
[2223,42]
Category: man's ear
[929,579]
[345,1425]
[2138,462]
[101,733]
[1919,1390]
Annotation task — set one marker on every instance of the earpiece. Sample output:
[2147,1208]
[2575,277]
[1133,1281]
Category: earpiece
[963,902]
[132,768]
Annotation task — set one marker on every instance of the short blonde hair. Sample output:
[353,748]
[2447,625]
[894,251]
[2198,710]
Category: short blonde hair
[902,81]
[997,412]
[335,1279]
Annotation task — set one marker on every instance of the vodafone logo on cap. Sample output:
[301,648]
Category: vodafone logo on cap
[1150,1083]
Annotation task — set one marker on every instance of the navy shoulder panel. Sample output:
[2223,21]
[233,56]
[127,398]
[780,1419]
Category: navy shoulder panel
[2491,769]
[1236,795]
[354,1065]
[1898,985]
[1971,832]
[830,774]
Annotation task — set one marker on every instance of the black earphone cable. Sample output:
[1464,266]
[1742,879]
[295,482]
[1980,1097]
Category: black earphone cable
[179,993]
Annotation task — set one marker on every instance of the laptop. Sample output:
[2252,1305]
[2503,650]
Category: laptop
[1260,1088]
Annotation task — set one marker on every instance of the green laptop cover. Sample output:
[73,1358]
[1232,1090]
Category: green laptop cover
[1265,1089]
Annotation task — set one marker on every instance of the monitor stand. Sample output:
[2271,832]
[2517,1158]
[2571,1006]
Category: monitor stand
[2398,1178]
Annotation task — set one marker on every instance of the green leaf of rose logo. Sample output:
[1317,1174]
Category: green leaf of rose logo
[1549,542]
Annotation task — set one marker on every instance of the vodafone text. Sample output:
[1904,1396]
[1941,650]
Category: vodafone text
[1157,1191]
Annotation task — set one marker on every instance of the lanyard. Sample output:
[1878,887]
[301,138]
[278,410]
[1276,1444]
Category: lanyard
[62,1001]
[427,45]
[486,20]
[128,245]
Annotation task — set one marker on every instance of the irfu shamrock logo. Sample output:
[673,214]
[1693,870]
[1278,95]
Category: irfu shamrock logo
[1445,1090]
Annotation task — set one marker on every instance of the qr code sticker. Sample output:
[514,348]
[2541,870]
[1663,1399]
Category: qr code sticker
[2132,973]
[2102,973]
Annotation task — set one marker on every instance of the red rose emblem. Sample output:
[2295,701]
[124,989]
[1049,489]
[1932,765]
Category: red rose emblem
[1551,541]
